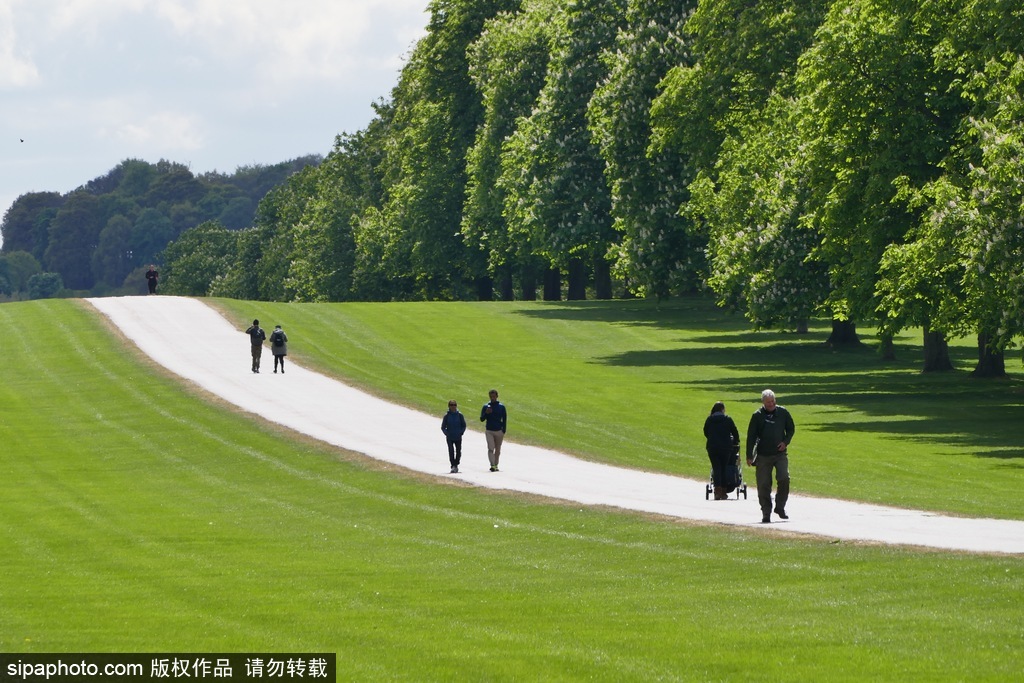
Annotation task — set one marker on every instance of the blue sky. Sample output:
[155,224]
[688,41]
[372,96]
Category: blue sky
[215,84]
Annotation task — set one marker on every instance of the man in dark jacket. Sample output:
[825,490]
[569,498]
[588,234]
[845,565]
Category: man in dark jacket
[495,417]
[453,424]
[768,435]
[257,337]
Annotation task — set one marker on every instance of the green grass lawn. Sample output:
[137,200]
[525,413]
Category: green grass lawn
[631,382]
[136,516]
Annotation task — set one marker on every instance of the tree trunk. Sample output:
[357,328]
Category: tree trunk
[991,363]
[936,352]
[602,278]
[552,285]
[484,289]
[887,349]
[844,333]
[577,280]
[801,327]
[506,285]
[528,284]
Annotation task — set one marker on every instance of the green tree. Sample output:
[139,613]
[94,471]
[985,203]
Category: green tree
[657,254]
[196,260]
[556,196]
[112,260]
[19,267]
[346,184]
[508,65]
[957,269]
[45,285]
[26,222]
[436,114]
[74,234]
[873,110]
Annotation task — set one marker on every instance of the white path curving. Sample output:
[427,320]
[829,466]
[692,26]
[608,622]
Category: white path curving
[216,358]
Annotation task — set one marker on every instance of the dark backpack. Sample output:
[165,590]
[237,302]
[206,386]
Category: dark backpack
[277,339]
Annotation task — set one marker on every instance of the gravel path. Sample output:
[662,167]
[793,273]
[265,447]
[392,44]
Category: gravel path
[217,359]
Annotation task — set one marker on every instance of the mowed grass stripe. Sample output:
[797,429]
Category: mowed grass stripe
[179,525]
[631,382]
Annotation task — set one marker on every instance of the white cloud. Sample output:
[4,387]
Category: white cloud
[285,39]
[157,132]
[15,71]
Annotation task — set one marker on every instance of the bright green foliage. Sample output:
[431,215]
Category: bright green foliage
[758,249]
[556,195]
[347,182]
[197,259]
[436,113]
[508,65]
[960,267]
[656,254]
[872,110]
[732,113]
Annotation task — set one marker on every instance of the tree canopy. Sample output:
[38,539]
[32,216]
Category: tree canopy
[854,159]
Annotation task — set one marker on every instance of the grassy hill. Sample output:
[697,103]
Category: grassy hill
[138,516]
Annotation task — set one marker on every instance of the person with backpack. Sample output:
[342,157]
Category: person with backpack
[495,417]
[257,337]
[278,347]
[453,424]
[723,444]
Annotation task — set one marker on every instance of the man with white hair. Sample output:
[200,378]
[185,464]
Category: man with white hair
[770,430]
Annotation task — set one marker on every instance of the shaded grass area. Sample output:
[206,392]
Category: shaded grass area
[630,383]
[137,517]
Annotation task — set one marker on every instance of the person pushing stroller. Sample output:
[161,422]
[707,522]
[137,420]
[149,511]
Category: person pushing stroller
[723,443]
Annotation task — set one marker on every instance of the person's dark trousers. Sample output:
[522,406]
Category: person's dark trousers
[455,451]
[765,464]
[720,462]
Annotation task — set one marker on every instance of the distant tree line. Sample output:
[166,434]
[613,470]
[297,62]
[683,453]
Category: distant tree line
[100,238]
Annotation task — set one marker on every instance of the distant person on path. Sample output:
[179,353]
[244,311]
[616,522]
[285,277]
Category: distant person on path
[453,424]
[256,335]
[768,436]
[151,278]
[278,347]
[723,444]
[496,419]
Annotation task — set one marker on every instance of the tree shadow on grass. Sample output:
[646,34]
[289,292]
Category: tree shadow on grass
[939,410]
[949,409]
[687,313]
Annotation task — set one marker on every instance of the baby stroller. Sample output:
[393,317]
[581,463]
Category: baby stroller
[735,482]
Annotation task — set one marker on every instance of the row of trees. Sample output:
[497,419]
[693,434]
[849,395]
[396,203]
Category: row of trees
[104,234]
[859,159]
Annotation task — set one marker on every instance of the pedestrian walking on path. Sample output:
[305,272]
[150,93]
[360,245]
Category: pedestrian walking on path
[453,424]
[769,433]
[256,336]
[496,418]
[723,443]
[278,347]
